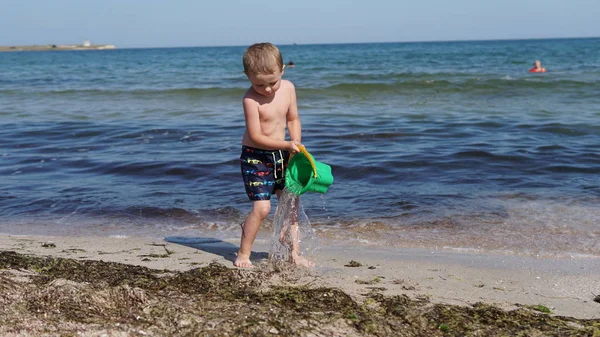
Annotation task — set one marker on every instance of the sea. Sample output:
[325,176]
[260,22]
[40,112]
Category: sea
[437,145]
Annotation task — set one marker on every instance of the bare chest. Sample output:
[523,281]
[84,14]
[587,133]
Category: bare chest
[273,111]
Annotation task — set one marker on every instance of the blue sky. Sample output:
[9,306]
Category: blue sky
[153,23]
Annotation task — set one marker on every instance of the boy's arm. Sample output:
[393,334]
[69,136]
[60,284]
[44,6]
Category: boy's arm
[255,131]
[293,119]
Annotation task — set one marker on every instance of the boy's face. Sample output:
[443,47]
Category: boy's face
[266,84]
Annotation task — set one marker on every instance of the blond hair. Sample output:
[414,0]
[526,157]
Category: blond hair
[262,58]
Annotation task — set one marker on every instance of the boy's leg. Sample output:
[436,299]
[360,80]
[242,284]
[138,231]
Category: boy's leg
[290,233]
[260,210]
[288,221]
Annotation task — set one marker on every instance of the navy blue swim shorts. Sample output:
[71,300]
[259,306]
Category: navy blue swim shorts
[263,171]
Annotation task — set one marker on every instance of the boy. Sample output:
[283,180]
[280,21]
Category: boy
[269,105]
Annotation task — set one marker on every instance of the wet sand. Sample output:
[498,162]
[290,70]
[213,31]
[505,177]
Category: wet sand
[566,287]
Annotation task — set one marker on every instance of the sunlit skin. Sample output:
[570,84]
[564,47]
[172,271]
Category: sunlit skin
[269,107]
[537,67]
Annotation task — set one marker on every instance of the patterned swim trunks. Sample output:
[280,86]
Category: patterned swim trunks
[263,171]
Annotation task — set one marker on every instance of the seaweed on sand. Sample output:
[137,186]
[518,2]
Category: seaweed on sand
[56,296]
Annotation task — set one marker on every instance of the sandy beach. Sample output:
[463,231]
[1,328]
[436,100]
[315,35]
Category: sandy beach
[567,287]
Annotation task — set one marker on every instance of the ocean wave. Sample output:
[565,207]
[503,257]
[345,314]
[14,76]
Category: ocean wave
[463,86]
[350,84]
[190,92]
[489,157]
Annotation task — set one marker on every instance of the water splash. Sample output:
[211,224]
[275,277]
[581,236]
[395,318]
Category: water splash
[293,239]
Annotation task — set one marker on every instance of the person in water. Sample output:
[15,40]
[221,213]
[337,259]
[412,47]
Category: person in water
[269,106]
[291,64]
[537,67]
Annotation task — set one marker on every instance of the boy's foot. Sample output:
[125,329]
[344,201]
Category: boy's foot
[301,261]
[243,261]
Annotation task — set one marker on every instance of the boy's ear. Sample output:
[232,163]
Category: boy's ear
[282,68]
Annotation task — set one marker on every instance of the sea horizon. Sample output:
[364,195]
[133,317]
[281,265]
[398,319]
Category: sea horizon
[337,43]
[373,42]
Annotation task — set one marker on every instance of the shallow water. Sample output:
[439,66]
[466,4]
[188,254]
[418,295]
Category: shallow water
[446,144]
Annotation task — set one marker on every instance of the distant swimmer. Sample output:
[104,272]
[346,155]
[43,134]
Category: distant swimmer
[537,67]
[291,64]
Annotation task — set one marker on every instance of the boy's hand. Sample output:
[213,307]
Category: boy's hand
[293,146]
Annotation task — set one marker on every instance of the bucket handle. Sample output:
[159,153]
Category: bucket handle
[310,159]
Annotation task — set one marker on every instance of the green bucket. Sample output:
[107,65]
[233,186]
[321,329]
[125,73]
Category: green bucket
[305,174]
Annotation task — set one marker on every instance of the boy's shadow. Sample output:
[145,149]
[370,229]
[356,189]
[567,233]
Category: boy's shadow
[213,246]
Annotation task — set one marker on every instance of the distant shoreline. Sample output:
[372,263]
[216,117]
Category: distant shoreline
[56,47]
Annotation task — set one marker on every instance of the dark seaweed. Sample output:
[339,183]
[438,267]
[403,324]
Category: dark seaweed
[58,296]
